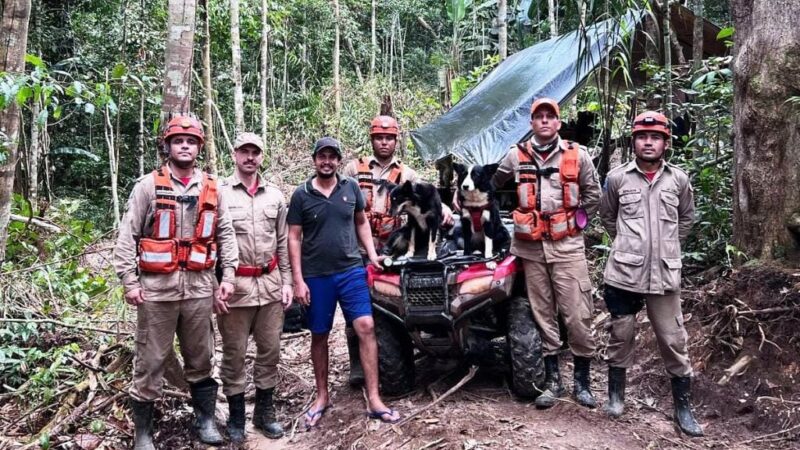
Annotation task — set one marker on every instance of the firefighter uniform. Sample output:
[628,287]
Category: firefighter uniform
[178,295]
[261,233]
[556,274]
[647,220]
[368,170]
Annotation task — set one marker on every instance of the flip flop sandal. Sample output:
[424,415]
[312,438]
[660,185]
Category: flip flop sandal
[311,415]
[379,415]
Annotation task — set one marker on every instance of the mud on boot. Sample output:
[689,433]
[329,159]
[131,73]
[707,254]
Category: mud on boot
[264,414]
[204,401]
[681,396]
[356,378]
[236,418]
[616,392]
[553,389]
[143,421]
[582,388]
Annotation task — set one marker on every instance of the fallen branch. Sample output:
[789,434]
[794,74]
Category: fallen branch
[777,309]
[764,436]
[735,369]
[38,223]
[39,266]
[63,324]
[470,375]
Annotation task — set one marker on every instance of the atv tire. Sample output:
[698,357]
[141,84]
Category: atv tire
[395,356]
[525,349]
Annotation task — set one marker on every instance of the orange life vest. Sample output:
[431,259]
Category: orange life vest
[530,222]
[162,251]
[380,222]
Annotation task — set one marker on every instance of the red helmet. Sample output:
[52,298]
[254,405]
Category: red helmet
[652,121]
[184,125]
[384,125]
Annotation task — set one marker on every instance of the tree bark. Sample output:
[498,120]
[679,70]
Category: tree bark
[33,154]
[374,41]
[551,18]
[236,52]
[178,55]
[697,38]
[113,161]
[14,42]
[264,67]
[208,91]
[766,135]
[337,88]
[502,26]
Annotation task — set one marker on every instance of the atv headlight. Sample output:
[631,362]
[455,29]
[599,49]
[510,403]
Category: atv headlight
[476,286]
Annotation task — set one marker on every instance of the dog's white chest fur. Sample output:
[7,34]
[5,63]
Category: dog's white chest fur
[474,198]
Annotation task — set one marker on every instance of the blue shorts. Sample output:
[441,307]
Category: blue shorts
[349,288]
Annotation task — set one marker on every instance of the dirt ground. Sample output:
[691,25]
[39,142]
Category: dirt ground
[757,408]
[744,346]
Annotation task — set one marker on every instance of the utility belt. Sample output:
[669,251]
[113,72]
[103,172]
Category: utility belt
[169,255]
[533,225]
[256,271]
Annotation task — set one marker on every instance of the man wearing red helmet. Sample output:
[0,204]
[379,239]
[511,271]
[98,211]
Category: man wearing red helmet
[648,209]
[557,191]
[370,172]
[175,226]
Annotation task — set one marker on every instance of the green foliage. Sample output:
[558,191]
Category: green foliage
[459,86]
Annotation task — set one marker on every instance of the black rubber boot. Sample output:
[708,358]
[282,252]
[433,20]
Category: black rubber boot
[682,397]
[582,388]
[356,378]
[236,418]
[616,392]
[264,414]
[143,422]
[204,401]
[553,388]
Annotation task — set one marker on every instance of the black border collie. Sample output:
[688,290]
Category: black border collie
[421,203]
[481,225]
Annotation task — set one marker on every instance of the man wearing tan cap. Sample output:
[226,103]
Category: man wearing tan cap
[558,191]
[263,289]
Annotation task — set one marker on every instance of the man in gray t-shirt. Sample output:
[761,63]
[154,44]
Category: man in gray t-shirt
[326,217]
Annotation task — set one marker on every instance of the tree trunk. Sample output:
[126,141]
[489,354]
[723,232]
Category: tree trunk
[178,55]
[141,134]
[337,89]
[236,69]
[374,41]
[208,91]
[264,67]
[697,39]
[766,136]
[113,161]
[551,18]
[33,154]
[502,25]
[667,47]
[14,42]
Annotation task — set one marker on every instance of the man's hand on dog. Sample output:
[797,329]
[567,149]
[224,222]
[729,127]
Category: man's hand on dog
[447,217]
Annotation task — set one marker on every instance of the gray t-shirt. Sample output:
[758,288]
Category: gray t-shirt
[330,244]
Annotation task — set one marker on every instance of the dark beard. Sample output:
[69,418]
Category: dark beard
[183,164]
[326,176]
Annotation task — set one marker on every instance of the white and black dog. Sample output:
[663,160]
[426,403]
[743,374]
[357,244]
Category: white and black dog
[422,204]
[481,225]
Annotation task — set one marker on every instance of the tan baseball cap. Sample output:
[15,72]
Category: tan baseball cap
[248,138]
[544,101]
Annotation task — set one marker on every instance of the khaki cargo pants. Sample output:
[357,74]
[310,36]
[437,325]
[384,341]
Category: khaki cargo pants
[265,323]
[561,287]
[157,323]
[664,312]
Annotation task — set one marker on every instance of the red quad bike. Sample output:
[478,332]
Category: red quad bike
[454,307]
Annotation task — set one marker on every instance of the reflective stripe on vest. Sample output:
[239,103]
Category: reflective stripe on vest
[163,251]
[554,225]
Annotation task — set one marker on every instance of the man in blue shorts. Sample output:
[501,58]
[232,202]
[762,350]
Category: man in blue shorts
[326,219]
